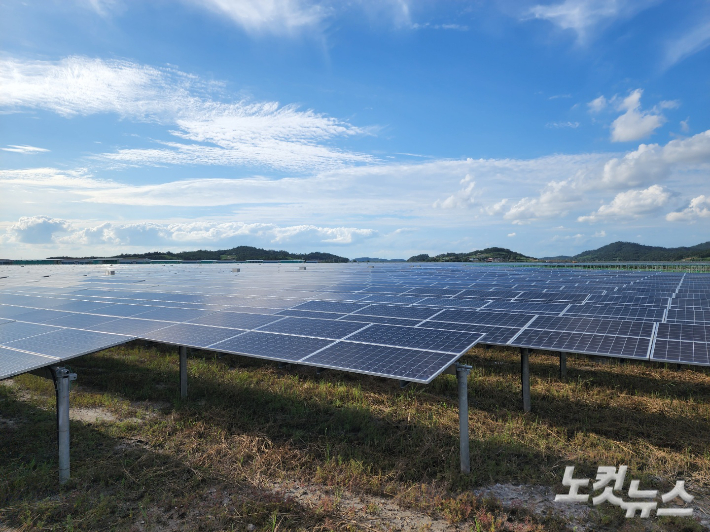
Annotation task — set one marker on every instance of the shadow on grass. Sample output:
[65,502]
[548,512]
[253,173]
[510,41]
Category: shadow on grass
[324,424]
[120,482]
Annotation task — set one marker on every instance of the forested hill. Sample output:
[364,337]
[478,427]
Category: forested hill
[238,253]
[496,254]
[628,251]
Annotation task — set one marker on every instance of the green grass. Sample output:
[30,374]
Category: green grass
[168,462]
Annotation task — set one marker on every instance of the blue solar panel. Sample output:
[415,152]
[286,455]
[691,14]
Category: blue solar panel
[201,336]
[67,343]
[236,320]
[397,311]
[272,346]
[314,327]
[419,338]
[391,362]
[15,362]
[330,306]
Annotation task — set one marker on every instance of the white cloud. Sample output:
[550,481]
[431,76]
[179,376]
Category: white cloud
[46,230]
[597,104]
[24,149]
[52,178]
[511,234]
[231,133]
[461,199]
[684,125]
[648,164]
[691,42]
[699,207]
[272,16]
[496,208]
[599,234]
[35,230]
[560,125]
[631,204]
[636,124]
[583,16]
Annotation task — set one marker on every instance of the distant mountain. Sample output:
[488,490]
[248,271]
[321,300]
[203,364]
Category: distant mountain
[240,253]
[629,252]
[494,254]
[373,259]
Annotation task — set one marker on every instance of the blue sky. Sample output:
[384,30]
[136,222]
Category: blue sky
[378,128]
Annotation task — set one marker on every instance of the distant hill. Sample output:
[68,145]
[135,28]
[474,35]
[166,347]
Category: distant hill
[240,253]
[496,254]
[629,252]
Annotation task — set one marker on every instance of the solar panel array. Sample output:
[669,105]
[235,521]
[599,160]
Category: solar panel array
[396,321]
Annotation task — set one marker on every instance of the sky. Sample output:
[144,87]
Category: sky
[380,128]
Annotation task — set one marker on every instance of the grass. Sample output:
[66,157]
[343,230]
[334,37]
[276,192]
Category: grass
[219,460]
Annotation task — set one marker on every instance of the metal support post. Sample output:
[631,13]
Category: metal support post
[61,377]
[525,377]
[183,371]
[462,372]
[320,370]
[563,365]
[404,384]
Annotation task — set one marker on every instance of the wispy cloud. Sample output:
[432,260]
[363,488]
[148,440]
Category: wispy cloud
[23,149]
[562,125]
[272,16]
[583,17]
[217,132]
[690,43]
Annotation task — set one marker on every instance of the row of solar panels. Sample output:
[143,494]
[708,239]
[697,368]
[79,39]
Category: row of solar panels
[407,337]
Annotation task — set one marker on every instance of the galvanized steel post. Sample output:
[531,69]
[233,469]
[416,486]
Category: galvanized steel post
[183,371]
[462,372]
[525,377]
[563,365]
[62,377]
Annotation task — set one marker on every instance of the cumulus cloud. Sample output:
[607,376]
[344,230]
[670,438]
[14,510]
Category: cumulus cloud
[631,204]
[216,132]
[511,234]
[699,207]
[46,230]
[23,149]
[461,199]
[647,165]
[35,230]
[636,124]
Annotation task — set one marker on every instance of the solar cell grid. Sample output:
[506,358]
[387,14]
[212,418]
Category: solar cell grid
[318,328]
[419,338]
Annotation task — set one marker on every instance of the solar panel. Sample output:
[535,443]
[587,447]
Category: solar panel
[332,329]
[396,311]
[392,362]
[236,320]
[15,330]
[419,338]
[179,315]
[16,362]
[272,346]
[67,343]
[187,334]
